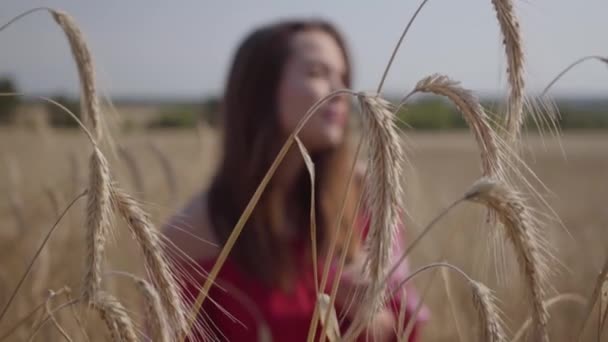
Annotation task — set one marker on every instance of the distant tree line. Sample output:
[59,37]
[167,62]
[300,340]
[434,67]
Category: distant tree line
[8,104]
[428,113]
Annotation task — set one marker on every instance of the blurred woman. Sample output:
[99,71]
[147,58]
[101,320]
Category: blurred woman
[267,283]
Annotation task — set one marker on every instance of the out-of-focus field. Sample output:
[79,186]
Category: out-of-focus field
[444,165]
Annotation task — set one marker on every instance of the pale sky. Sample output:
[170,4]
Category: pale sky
[183,48]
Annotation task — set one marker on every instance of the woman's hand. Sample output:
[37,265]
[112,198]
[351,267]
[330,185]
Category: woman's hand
[351,288]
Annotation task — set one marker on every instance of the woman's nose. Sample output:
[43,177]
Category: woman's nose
[336,83]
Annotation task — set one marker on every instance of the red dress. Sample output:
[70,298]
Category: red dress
[250,309]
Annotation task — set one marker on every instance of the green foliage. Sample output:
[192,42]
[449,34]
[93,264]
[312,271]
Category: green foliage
[187,115]
[428,114]
[437,114]
[583,118]
[178,117]
[58,117]
[211,110]
[8,104]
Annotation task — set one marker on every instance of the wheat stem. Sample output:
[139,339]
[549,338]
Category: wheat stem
[569,67]
[563,297]
[392,58]
[33,260]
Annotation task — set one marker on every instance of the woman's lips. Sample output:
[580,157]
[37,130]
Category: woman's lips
[335,116]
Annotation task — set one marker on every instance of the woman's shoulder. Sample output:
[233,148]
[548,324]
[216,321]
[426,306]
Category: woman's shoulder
[191,231]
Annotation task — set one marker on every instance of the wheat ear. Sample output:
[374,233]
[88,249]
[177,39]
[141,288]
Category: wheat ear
[116,318]
[156,264]
[512,41]
[86,71]
[383,191]
[98,217]
[492,156]
[168,170]
[487,311]
[522,230]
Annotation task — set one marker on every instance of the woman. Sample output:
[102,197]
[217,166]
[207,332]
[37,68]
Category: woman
[267,283]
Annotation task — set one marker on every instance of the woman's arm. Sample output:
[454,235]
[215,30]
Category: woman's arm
[190,230]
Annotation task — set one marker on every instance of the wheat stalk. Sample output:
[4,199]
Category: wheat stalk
[86,71]
[168,170]
[398,45]
[36,255]
[522,231]
[383,191]
[98,215]
[563,297]
[116,318]
[134,170]
[512,41]
[54,198]
[329,318]
[51,315]
[41,273]
[156,264]
[602,59]
[450,298]
[597,289]
[483,300]
[238,228]
[75,172]
[14,195]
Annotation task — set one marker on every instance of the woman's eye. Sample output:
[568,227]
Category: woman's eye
[315,72]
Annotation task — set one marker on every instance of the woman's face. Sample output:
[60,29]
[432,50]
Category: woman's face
[315,68]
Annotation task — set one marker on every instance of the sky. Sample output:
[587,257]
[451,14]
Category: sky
[183,48]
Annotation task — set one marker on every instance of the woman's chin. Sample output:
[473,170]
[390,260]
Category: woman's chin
[325,140]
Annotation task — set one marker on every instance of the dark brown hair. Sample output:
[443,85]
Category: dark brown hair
[251,141]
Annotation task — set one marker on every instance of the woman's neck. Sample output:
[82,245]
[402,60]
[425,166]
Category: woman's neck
[288,172]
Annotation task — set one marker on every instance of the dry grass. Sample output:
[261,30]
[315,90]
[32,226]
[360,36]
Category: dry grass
[579,193]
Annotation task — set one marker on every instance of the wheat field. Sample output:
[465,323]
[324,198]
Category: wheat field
[520,218]
[572,167]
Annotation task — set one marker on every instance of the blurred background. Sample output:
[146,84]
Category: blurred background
[161,68]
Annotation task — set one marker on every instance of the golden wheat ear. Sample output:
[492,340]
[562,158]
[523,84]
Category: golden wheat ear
[97,222]
[384,193]
[492,153]
[521,229]
[155,314]
[157,265]
[86,70]
[514,51]
[114,314]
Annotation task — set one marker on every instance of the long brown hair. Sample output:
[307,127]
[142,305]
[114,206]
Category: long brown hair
[251,141]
